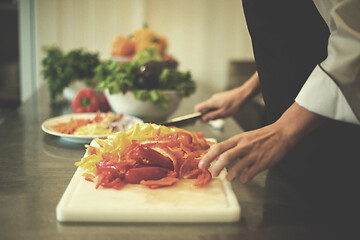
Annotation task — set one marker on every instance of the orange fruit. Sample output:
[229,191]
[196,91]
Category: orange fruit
[122,46]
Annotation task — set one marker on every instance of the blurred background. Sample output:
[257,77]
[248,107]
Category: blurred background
[9,57]
[208,37]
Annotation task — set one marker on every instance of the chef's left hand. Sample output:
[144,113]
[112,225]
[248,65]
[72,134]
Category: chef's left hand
[255,151]
[258,150]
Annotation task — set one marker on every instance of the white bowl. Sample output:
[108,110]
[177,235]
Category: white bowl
[127,104]
[70,91]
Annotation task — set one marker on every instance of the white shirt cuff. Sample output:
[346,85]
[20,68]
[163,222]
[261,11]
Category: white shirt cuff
[321,95]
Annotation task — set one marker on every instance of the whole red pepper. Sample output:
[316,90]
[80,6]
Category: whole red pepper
[85,101]
[103,103]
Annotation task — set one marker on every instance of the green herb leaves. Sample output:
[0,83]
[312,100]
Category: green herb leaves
[60,68]
[122,77]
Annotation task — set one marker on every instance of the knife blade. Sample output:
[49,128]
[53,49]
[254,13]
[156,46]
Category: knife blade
[182,120]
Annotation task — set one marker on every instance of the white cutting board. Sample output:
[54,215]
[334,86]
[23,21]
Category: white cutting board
[183,202]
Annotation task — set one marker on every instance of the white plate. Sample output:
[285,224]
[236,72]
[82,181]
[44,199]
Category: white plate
[46,126]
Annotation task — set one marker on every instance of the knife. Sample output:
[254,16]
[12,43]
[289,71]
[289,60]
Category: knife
[184,120]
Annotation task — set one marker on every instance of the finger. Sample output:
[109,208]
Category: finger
[225,159]
[202,107]
[214,152]
[239,167]
[212,115]
[250,174]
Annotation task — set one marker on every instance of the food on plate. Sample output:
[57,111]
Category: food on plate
[101,124]
[147,154]
[93,129]
[70,126]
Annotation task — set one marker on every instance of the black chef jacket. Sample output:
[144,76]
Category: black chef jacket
[289,39]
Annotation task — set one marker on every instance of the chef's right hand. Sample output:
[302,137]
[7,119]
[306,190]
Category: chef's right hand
[227,103]
[221,105]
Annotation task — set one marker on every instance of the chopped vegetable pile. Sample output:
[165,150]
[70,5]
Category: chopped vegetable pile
[70,126]
[148,154]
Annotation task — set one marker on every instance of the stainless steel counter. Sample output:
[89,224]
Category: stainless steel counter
[35,169]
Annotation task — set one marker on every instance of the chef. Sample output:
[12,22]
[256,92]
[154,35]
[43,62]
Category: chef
[307,55]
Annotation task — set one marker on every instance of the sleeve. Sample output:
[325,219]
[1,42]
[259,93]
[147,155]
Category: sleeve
[321,95]
[333,88]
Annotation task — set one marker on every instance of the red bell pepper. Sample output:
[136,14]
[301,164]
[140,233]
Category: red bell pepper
[155,162]
[103,103]
[112,174]
[107,182]
[189,164]
[163,182]
[91,150]
[136,175]
[110,157]
[98,117]
[155,158]
[85,101]
[203,176]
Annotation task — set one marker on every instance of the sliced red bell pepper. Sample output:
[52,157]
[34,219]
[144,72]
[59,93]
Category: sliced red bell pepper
[110,157]
[166,153]
[152,154]
[136,175]
[191,163]
[98,117]
[155,162]
[163,182]
[175,139]
[203,176]
[114,169]
[155,158]
[91,150]
[107,182]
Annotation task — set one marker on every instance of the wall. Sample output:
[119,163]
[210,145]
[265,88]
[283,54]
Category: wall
[203,34]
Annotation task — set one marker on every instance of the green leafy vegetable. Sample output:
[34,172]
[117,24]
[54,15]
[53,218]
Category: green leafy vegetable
[182,82]
[121,78]
[146,55]
[60,68]
[116,77]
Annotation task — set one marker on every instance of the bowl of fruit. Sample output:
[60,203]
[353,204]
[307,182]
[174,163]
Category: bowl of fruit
[148,85]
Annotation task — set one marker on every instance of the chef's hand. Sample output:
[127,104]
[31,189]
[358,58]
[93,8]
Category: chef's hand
[258,150]
[225,104]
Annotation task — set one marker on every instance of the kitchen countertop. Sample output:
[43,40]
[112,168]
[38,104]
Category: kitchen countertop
[35,169]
